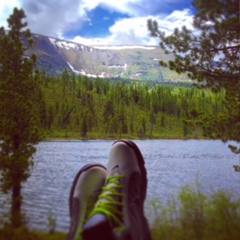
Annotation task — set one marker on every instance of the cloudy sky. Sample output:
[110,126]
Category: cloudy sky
[101,22]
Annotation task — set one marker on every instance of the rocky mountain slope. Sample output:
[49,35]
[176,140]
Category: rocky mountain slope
[127,62]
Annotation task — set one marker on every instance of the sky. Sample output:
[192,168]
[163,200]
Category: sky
[101,22]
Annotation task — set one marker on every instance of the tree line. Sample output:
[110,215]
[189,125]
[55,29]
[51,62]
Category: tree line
[77,106]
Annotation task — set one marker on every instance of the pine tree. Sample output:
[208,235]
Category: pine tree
[210,54]
[19,110]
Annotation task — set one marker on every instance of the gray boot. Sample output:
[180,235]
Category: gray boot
[119,211]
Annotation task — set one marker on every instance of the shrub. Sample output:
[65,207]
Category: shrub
[195,215]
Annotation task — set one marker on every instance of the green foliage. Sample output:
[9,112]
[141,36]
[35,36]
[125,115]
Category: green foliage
[10,233]
[210,55]
[85,108]
[195,215]
[20,104]
[52,222]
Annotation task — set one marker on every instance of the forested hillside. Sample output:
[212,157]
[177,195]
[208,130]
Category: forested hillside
[78,107]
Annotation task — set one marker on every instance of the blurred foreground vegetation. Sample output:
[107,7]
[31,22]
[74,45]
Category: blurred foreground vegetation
[192,215]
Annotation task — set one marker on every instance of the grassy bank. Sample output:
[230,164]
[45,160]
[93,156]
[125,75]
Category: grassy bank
[192,215]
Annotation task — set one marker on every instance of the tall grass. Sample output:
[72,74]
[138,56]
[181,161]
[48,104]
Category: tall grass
[194,215]
[22,233]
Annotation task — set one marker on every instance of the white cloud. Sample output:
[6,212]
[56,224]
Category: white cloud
[89,41]
[121,6]
[133,31]
[6,9]
[134,8]
[58,17]
[176,19]
[128,31]
[54,17]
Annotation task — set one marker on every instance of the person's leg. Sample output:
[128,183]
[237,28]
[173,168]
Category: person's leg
[84,193]
[119,211]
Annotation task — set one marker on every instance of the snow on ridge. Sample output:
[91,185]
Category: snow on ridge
[75,71]
[52,40]
[82,72]
[67,45]
[119,66]
[124,47]
[64,44]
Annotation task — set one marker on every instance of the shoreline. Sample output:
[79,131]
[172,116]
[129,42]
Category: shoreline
[72,138]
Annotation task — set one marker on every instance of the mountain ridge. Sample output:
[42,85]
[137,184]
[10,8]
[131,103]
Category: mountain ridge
[122,62]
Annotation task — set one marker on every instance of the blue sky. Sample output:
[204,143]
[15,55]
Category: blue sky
[101,22]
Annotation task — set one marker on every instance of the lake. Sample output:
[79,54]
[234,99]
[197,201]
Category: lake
[171,164]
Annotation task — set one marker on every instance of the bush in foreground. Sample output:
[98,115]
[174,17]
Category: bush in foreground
[195,215]
[10,233]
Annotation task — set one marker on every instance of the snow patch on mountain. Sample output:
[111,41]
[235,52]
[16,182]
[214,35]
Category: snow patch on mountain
[69,45]
[123,47]
[64,44]
[82,72]
[119,66]
[75,71]
[52,40]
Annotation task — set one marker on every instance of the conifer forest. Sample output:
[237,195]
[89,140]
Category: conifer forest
[78,107]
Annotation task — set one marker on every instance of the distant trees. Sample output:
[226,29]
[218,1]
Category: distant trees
[21,97]
[210,54]
[103,108]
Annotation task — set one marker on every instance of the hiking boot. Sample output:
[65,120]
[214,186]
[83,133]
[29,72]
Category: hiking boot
[119,211]
[84,193]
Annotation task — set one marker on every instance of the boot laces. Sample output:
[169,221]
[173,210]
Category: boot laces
[109,201]
[87,211]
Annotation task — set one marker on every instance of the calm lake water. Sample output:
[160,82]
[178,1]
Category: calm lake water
[170,164]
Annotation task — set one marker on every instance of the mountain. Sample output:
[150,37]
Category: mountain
[126,62]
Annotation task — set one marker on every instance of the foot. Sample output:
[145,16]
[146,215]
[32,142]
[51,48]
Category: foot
[119,211]
[84,193]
